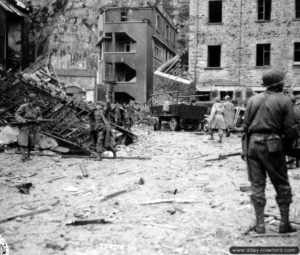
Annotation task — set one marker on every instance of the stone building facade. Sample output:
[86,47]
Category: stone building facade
[232,42]
[133,42]
[68,31]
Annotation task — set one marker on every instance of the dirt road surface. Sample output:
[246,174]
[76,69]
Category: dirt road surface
[208,214]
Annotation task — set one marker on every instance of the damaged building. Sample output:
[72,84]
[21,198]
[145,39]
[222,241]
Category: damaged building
[133,43]
[172,79]
[14,39]
[233,42]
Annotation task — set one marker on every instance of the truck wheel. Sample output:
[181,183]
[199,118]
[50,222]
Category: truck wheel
[173,124]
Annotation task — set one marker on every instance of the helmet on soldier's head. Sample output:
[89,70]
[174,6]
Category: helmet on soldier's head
[227,97]
[273,78]
[31,97]
[217,99]
[100,105]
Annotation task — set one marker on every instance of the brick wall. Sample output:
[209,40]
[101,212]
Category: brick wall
[238,36]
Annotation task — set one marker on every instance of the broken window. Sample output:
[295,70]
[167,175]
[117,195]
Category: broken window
[297,52]
[297,7]
[125,73]
[157,24]
[108,42]
[157,52]
[124,43]
[264,9]
[263,52]
[124,15]
[215,11]
[167,32]
[214,56]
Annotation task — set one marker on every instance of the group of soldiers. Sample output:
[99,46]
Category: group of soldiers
[270,130]
[100,118]
[101,115]
[221,118]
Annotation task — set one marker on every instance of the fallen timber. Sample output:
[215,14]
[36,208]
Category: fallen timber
[105,157]
[70,125]
[224,156]
[25,215]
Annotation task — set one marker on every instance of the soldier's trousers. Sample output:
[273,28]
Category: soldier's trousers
[101,133]
[262,163]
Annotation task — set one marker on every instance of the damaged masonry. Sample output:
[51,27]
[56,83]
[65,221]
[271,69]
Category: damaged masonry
[149,127]
[69,123]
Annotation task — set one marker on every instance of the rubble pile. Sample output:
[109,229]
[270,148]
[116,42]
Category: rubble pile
[69,123]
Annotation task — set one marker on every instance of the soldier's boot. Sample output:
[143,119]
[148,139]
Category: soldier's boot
[220,133]
[114,151]
[227,132]
[260,220]
[285,225]
[98,155]
[28,154]
[211,135]
[99,158]
[24,155]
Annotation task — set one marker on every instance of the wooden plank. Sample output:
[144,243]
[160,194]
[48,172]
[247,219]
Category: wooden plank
[94,157]
[277,217]
[24,215]
[275,235]
[168,201]
[117,193]
[86,222]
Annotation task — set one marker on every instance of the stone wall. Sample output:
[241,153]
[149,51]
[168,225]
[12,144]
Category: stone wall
[162,84]
[238,35]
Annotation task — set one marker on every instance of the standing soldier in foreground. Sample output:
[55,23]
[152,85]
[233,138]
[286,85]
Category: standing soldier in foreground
[270,128]
[28,115]
[228,115]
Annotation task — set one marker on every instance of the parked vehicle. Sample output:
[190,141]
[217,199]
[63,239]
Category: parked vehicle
[181,116]
[189,117]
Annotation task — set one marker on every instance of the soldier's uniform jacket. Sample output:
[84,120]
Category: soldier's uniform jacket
[28,112]
[229,114]
[101,117]
[277,116]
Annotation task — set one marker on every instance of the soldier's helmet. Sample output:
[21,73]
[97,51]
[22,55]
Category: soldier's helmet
[100,105]
[273,78]
[217,100]
[32,97]
[227,97]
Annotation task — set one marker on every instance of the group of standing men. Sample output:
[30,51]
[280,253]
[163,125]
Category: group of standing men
[29,115]
[221,118]
[100,121]
[271,130]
